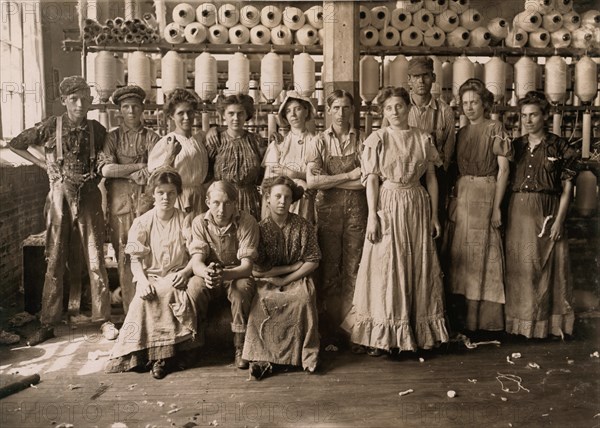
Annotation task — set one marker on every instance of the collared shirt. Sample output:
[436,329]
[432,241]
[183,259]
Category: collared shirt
[226,245]
[75,143]
[436,114]
[327,145]
[478,147]
[552,161]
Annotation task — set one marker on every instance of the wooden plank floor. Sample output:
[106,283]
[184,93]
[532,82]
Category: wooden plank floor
[350,391]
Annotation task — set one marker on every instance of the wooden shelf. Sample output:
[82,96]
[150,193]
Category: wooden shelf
[77,46]
[471,51]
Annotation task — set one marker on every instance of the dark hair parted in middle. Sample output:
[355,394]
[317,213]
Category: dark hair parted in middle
[180,96]
[392,91]
[245,101]
[269,183]
[477,86]
[337,94]
[535,98]
[164,175]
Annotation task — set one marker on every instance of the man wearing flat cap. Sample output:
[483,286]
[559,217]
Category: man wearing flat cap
[71,145]
[123,162]
[433,116]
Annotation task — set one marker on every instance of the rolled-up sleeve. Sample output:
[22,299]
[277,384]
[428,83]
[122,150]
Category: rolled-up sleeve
[248,236]
[314,151]
[138,239]
[370,156]
[199,243]
[34,136]
[502,143]
[108,155]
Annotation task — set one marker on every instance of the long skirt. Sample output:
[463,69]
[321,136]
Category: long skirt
[283,325]
[475,253]
[399,297]
[157,329]
[538,280]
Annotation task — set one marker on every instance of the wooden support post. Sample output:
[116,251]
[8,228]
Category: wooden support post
[341,51]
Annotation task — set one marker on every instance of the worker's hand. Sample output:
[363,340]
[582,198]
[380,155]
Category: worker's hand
[172,146]
[146,290]
[354,174]
[373,228]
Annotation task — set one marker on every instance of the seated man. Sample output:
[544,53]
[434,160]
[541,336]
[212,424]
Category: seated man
[223,249]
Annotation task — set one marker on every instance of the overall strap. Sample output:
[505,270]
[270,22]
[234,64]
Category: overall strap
[59,139]
[92,142]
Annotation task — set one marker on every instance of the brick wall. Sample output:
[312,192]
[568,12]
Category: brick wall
[23,191]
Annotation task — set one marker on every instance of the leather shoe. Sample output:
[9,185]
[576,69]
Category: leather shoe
[43,334]
[374,352]
[240,363]
[159,370]
[260,369]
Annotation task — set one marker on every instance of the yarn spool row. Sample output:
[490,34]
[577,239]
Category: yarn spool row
[173,72]
[119,30]
[271,76]
[205,76]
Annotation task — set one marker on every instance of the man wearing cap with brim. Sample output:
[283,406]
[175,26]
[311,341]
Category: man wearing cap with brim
[433,116]
[123,161]
[71,145]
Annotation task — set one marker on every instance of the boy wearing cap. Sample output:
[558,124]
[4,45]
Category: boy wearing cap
[71,144]
[433,116]
[123,162]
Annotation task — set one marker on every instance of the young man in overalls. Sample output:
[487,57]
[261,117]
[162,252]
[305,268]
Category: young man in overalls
[70,144]
[333,167]
[123,162]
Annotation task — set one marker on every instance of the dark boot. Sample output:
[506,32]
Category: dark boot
[238,342]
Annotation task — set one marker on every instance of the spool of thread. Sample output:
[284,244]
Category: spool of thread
[563,6]
[458,6]
[238,74]
[459,38]
[138,66]
[539,38]
[400,19]
[448,21]
[552,22]
[174,33]
[540,6]
[525,76]
[470,19]
[398,69]
[150,21]
[478,71]
[480,37]
[249,16]
[447,81]
[314,16]
[586,192]
[527,21]
[239,35]
[423,19]
[516,38]
[410,6]
[205,77]
[218,34]
[556,79]
[228,15]
[582,38]
[304,74]
[494,73]
[436,6]
[307,35]
[281,35]
[412,36]
[195,33]
[293,18]
[173,72]
[571,21]
[364,16]
[389,37]
[591,18]
[380,17]
[560,38]
[271,76]
[369,78]
[183,14]
[260,35]
[270,16]
[586,79]
[462,70]
[436,87]
[434,37]
[206,14]
[105,67]
[369,36]
[498,28]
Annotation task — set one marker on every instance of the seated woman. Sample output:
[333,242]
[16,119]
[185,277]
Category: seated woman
[282,326]
[183,150]
[161,321]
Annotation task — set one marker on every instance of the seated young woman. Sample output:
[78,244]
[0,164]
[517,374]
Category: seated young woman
[282,326]
[162,319]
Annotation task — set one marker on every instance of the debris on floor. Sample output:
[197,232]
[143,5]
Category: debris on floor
[472,380]
[72,387]
[213,423]
[421,360]
[512,378]
[451,394]
[595,355]
[533,366]
[515,355]
[508,360]
[403,393]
